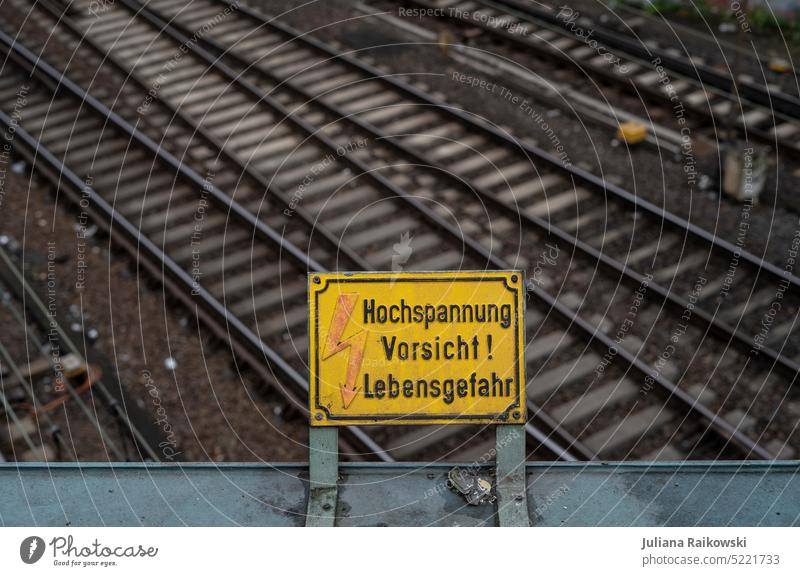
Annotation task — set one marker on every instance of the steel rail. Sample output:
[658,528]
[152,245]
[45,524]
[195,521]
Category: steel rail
[62,82]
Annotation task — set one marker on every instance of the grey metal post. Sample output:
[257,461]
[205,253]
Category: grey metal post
[323,472]
[512,497]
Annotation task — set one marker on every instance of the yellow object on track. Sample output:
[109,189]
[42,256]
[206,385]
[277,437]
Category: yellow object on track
[780,66]
[632,132]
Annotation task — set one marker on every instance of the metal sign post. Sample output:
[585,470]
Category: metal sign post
[323,473]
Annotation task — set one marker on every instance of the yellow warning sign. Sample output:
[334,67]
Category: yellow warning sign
[417,348]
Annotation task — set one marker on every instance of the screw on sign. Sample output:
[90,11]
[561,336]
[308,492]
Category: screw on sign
[417,348]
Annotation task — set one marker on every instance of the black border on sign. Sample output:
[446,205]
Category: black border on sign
[501,417]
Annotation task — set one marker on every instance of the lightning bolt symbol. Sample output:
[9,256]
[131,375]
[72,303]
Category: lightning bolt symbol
[357,344]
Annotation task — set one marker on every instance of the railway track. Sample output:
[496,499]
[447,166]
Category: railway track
[663,74]
[586,407]
[56,404]
[283,304]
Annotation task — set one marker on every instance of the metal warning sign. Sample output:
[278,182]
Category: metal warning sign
[417,348]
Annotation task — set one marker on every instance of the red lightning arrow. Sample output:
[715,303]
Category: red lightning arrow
[357,342]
